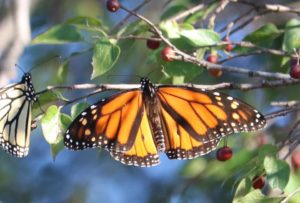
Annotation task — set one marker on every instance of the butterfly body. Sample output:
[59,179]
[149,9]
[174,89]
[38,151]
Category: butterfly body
[15,116]
[183,122]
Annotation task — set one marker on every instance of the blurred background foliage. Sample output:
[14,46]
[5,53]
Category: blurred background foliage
[77,31]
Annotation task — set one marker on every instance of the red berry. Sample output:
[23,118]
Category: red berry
[224,153]
[215,72]
[167,54]
[295,69]
[152,44]
[112,5]
[212,58]
[229,46]
[258,182]
[296,160]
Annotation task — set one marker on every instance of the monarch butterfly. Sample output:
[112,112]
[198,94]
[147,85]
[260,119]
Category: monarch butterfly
[184,122]
[15,116]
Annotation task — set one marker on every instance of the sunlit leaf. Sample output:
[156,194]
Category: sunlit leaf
[105,56]
[170,28]
[56,148]
[50,125]
[278,172]
[64,122]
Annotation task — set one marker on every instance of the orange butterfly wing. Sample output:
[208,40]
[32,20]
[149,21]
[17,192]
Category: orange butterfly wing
[111,123]
[143,152]
[195,120]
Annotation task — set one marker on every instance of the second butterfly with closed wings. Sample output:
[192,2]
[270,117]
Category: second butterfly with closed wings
[184,122]
[15,116]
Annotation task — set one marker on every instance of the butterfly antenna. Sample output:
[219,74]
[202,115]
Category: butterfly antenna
[46,61]
[19,67]
[151,72]
[135,76]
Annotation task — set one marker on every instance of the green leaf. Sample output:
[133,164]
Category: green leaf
[292,186]
[78,108]
[64,121]
[267,150]
[291,38]
[180,68]
[171,29]
[62,72]
[265,36]
[50,125]
[243,188]
[200,37]
[195,17]
[266,33]
[135,28]
[56,148]
[59,34]
[85,21]
[45,100]
[105,56]
[256,197]
[277,171]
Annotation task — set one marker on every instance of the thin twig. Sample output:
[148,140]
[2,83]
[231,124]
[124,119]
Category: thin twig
[286,199]
[247,22]
[282,112]
[269,7]
[225,85]
[135,37]
[237,19]
[187,12]
[221,7]
[122,22]
[285,103]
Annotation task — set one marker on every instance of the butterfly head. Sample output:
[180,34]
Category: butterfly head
[147,86]
[30,92]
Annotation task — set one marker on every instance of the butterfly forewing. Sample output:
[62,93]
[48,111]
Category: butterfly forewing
[111,123]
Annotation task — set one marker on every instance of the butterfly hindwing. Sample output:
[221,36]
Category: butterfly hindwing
[144,151]
[181,145]
[111,123]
